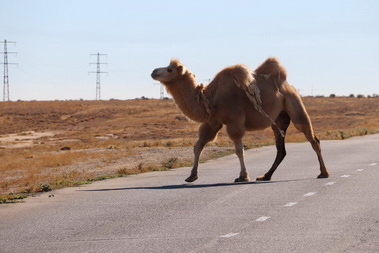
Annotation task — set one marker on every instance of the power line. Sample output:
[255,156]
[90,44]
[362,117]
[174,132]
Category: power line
[98,72]
[6,63]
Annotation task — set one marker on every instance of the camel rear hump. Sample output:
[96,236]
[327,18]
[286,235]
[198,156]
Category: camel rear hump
[272,68]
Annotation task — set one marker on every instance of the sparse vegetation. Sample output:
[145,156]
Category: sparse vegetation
[86,141]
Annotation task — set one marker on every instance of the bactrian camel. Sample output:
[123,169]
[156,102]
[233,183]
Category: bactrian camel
[242,100]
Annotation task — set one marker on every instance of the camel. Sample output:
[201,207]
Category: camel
[242,100]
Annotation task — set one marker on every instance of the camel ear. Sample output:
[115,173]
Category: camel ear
[181,70]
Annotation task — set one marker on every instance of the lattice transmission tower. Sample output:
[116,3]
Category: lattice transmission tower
[6,63]
[98,73]
[161,90]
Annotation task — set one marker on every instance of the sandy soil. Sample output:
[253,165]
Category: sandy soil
[24,139]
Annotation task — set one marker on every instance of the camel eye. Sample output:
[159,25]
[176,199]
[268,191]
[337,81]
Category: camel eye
[169,70]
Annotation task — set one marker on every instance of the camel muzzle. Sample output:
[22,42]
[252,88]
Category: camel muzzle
[154,74]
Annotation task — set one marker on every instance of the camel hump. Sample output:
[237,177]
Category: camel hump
[271,68]
[242,75]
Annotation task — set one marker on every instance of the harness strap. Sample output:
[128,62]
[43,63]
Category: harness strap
[253,93]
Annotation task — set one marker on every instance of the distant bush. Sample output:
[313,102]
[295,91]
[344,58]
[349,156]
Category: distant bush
[360,96]
[351,96]
[332,95]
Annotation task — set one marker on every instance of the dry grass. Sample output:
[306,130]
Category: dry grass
[111,138]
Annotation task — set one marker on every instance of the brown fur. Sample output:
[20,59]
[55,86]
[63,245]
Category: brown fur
[272,68]
[242,100]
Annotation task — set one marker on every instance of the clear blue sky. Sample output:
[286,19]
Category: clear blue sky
[326,46]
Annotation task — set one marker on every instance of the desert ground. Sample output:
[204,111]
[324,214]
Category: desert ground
[47,145]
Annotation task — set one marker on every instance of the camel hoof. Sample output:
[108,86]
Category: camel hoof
[323,175]
[242,179]
[191,179]
[263,178]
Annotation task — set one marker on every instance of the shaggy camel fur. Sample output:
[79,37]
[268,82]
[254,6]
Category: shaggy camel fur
[243,100]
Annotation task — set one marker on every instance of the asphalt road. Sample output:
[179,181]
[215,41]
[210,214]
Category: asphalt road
[159,212]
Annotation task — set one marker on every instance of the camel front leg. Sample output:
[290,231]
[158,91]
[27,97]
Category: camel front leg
[198,148]
[236,132]
[207,133]
[244,176]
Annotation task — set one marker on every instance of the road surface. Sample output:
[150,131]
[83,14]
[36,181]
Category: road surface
[159,212]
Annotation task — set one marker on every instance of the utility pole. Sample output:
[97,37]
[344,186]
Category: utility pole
[98,72]
[6,63]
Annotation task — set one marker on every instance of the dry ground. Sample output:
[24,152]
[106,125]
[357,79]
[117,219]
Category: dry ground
[47,145]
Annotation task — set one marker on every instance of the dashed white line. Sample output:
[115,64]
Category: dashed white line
[309,194]
[290,204]
[373,164]
[345,176]
[330,183]
[263,218]
[359,170]
[229,235]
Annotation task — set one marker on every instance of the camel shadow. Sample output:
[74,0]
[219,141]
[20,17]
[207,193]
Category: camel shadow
[189,186]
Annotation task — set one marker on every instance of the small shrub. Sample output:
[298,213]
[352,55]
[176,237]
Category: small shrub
[169,144]
[343,134]
[170,163]
[44,187]
[123,171]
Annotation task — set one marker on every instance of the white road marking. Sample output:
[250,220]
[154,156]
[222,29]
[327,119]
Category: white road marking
[290,204]
[345,176]
[229,235]
[330,183]
[373,164]
[359,170]
[309,194]
[263,218]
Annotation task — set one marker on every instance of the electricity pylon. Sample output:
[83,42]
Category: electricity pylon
[98,72]
[6,63]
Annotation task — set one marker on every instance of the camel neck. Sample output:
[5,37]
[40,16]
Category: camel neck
[186,96]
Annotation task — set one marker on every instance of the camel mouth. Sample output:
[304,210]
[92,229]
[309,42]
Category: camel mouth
[153,75]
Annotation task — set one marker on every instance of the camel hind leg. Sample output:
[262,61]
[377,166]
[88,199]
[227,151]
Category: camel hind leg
[282,122]
[302,122]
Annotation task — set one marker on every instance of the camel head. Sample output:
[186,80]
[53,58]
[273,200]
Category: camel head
[171,73]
